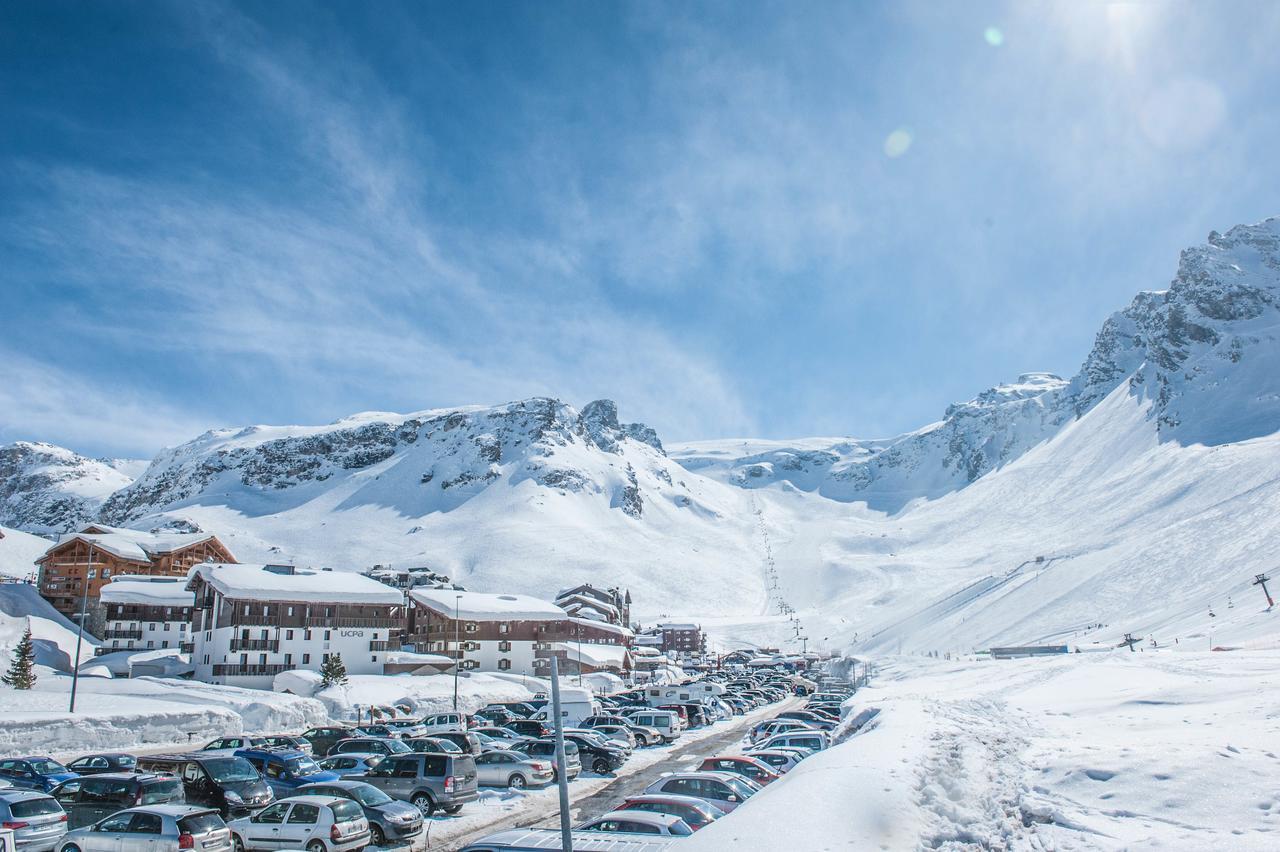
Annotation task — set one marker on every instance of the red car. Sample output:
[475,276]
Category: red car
[695,812]
[748,767]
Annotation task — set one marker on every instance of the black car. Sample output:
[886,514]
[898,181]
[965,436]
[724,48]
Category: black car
[221,781]
[324,739]
[97,764]
[529,728]
[87,800]
[523,709]
[602,759]
[497,715]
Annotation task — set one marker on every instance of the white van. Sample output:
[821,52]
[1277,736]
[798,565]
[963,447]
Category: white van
[811,741]
[668,723]
[575,705]
[444,723]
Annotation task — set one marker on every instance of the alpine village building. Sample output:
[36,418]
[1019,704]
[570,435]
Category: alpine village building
[252,622]
[97,553]
[145,613]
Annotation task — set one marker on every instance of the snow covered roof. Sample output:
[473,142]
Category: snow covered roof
[281,583]
[596,655]
[407,657]
[132,545]
[479,606]
[678,626]
[602,625]
[147,591]
[579,600]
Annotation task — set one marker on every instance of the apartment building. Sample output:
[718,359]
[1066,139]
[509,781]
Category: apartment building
[143,612]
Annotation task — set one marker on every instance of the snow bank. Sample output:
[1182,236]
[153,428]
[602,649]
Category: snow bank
[429,694]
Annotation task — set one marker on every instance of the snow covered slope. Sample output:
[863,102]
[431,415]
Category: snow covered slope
[54,636]
[46,489]
[525,497]
[18,553]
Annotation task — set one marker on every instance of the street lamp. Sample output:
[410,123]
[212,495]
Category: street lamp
[457,647]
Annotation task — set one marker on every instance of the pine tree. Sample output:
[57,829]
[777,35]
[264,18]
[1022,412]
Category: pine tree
[22,673]
[333,670]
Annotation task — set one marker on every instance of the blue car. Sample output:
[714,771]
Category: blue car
[35,773]
[285,770]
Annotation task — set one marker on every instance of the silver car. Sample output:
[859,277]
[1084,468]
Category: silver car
[37,820]
[154,828]
[513,769]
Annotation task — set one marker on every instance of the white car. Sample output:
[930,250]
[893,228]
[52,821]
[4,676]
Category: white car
[811,741]
[314,823]
[443,723]
[639,822]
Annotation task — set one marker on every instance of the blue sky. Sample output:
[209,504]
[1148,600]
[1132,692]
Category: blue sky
[735,219]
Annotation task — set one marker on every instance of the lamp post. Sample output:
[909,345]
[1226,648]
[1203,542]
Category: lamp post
[89,574]
[578,633]
[457,647]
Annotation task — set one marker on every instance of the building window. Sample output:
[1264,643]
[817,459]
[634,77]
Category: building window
[164,644]
[262,659]
[206,659]
[504,664]
[290,611]
[288,659]
[503,627]
[326,635]
[306,635]
[288,634]
[471,627]
[246,609]
[504,646]
[306,659]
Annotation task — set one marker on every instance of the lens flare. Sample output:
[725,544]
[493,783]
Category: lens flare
[897,142]
[994,36]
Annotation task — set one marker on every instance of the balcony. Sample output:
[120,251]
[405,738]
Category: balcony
[255,645]
[345,622]
[122,634]
[379,645]
[187,647]
[229,670]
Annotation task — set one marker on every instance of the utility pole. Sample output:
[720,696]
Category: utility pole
[562,775]
[457,647]
[804,647]
[89,574]
[1130,641]
[1261,580]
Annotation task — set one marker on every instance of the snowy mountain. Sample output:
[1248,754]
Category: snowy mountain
[46,489]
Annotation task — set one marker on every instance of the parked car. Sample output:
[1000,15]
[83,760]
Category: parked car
[546,749]
[639,822]
[34,773]
[602,719]
[439,723]
[350,764]
[619,733]
[763,730]
[506,737]
[96,764]
[314,823]
[232,744]
[88,800]
[427,781]
[163,828]
[323,739]
[288,741]
[36,819]
[645,736]
[495,715]
[721,789]
[813,741]
[286,771]
[438,745]
[529,728]
[602,758]
[390,821]
[816,720]
[513,769]
[370,745]
[407,727]
[781,761]
[603,739]
[468,742]
[695,812]
[668,723]
[376,729]
[521,709]
[214,779]
[747,767]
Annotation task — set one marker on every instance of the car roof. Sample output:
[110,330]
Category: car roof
[172,810]
[358,755]
[341,784]
[670,798]
[312,799]
[718,776]
[33,757]
[282,753]
[120,776]
[16,794]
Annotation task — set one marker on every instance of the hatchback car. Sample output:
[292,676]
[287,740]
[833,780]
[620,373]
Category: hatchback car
[468,742]
[435,745]
[34,773]
[695,812]
[811,740]
[513,769]
[390,821]
[350,764]
[158,827]
[314,823]
[96,764]
[427,781]
[87,800]
[639,822]
[546,749]
[36,819]
[370,745]
[505,737]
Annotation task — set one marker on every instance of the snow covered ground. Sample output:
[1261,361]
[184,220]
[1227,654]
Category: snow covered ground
[1114,750]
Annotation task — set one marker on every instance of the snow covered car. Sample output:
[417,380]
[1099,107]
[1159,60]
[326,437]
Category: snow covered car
[153,827]
[314,823]
[768,728]
[722,789]
[639,822]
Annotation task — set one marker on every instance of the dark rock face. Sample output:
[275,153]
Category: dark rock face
[47,490]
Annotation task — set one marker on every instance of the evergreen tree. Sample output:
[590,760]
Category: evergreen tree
[333,670]
[22,673]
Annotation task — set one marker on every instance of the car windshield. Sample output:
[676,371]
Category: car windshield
[302,766]
[370,796]
[397,747]
[346,811]
[742,787]
[201,823]
[230,770]
[45,766]
[34,807]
